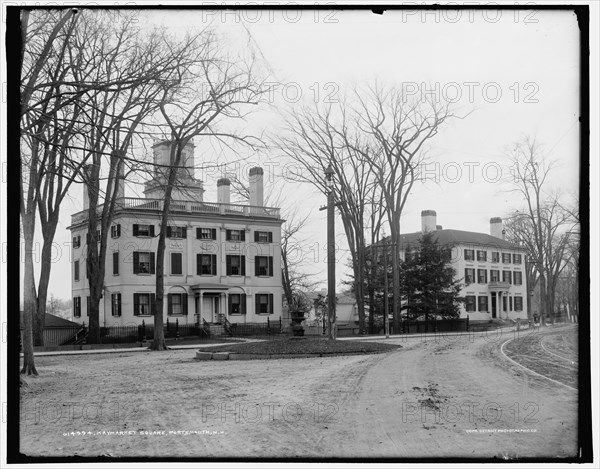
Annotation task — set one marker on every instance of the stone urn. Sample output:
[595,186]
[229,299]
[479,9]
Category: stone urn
[297,318]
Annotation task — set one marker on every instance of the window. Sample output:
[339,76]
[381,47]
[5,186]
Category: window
[469,255]
[469,276]
[518,278]
[143,230]
[517,259]
[264,303]
[76,271]
[494,275]
[504,303]
[206,264]
[235,235]
[77,306]
[177,304]
[237,303]
[143,303]
[263,237]
[510,302]
[176,232]
[115,231]
[206,233]
[176,263]
[116,304]
[116,263]
[76,242]
[506,277]
[409,255]
[470,303]
[236,265]
[483,303]
[518,303]
[263,266]
[482,256]
[481,276]
[495,257]
[505,258]
[87,306]
[143,262]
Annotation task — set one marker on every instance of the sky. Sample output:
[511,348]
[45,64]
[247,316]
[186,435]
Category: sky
[510,74]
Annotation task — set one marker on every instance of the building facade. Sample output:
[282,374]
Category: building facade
[491,269]
[222,260]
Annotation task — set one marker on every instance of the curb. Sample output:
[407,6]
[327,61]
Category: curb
[220,356]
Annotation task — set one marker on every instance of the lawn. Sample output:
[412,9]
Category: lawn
[303,345]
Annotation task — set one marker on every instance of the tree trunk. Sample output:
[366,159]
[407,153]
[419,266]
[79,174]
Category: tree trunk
[94,273]
[29,293]
[396,281]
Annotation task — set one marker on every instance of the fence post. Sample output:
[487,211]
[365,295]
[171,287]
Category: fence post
[167,325]
[143,334]
[177,328]
[280,326]
[268,326]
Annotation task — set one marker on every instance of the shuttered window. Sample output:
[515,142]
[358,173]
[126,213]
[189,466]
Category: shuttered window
[116,304]
[236,265]
[176,263]
[143,304]
[206,233]
[263,266]
[143,262]
[237,303]
[177,304]
[264,303]
[116,263]
[206,264]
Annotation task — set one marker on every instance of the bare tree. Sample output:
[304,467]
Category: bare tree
[211,90]
[37,47]
[397,129]
[544,226]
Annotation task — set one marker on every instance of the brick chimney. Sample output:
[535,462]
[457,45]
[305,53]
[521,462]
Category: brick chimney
[256,187]
[223,194]
[428,220]
[497,228]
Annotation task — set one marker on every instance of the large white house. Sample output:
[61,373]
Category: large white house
[222,260]
[492,269]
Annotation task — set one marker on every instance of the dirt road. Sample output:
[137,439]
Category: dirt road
[455,396]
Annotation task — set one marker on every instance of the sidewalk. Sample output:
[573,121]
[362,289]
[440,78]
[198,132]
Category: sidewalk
[136,349]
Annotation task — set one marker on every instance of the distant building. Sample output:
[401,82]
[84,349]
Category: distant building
[492,269]
[222,260]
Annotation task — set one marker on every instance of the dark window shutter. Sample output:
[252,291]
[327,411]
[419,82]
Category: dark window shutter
[118,232]
[198,233]
[270,266]
[136,262]
[135,229]
[184,232]
[228,265]
[256,266]
[257,304]
[243,235]
[227,235]
[230,304]
[256,236]
[270,303]
[213,233]
[136,304]
[87,306]
[169,304]
[152,230]
[213,266]
[169,231]
[243,300]
[152,303]
[270,236]
[87,238]
[152,263]
[119,304]
[198,264]
[116,263]
[184,301]
[243,263]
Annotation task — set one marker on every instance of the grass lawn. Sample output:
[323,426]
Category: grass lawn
[301,345]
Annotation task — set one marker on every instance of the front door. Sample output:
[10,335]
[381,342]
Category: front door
[494,304]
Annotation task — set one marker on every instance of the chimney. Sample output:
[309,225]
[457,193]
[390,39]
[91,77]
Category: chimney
[223,191]
[428,219]
[438,227]
[256,187]
[497,228]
